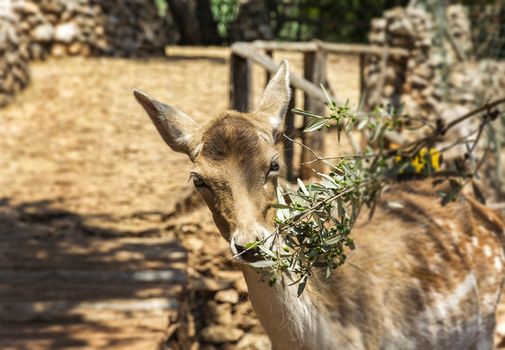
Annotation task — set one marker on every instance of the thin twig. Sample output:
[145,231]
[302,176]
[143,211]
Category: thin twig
[434,135]
[317,156]
[470,114]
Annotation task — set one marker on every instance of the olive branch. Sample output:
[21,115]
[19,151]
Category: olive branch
[315,221]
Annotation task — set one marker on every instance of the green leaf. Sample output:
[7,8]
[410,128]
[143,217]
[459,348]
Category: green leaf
[328,98]
[302,187]
[340,208]
[451,195]
[252,245]
[261,264]
[333,240]
[307,114]
[362,124]
[301,285]
[281,214]
[267,252]
[272,280]
[315,125]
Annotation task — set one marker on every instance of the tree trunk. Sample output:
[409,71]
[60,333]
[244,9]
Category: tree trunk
[207,24]
[186,21]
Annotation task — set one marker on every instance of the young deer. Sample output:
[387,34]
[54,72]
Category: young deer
[421,277]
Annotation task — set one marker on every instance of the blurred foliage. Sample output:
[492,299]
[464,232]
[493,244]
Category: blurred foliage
[162,7]
[224,12]
[340,21]
[349,20]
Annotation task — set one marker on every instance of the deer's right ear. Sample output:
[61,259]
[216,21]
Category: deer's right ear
[176,128]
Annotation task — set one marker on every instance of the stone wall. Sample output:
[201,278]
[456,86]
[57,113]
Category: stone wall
[91,27]
[439,77]
[35,29]
[409,81]
[14,70]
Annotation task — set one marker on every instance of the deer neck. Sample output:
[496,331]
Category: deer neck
[291,322]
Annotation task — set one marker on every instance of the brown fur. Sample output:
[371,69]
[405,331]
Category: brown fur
[410,257]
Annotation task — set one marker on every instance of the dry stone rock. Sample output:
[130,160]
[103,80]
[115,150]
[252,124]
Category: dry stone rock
[221,313]
[254,342]
[14,70]
[230,275]
[221,334]
[110,27]
[66,32]
[227,296]
[431,78]
[43,32]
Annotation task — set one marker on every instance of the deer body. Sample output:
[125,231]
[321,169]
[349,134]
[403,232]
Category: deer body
[421,277]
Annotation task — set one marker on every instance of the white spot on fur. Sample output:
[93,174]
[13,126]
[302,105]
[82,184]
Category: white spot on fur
[395,205]
[439,222]
[487,251]
[434,268]
[446,303]
[497,263]
[475,241]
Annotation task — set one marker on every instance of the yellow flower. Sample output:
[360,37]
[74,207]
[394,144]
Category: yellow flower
[418,164]
[435,159]
[420,161]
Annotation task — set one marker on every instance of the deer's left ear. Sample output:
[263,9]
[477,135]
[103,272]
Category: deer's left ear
[275,99]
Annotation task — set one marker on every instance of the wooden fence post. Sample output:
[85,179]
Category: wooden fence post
[289,130]
[240,83]
[362,84]
[314,66]
[268,75]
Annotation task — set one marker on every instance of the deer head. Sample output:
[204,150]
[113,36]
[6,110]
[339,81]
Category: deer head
[235,161]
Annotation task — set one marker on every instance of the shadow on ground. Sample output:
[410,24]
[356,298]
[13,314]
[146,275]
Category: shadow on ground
[65,282]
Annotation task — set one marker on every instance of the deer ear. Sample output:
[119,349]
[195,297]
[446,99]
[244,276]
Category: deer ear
[175,127]
[275,99]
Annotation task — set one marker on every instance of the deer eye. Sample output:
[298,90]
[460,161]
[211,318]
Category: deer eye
[274,166]
[197,180]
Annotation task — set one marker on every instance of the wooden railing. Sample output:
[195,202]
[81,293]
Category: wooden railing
[314,74]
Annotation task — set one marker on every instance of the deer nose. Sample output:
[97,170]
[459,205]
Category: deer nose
[247,254]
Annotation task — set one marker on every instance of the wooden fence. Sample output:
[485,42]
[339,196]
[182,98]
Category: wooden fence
[314,74]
